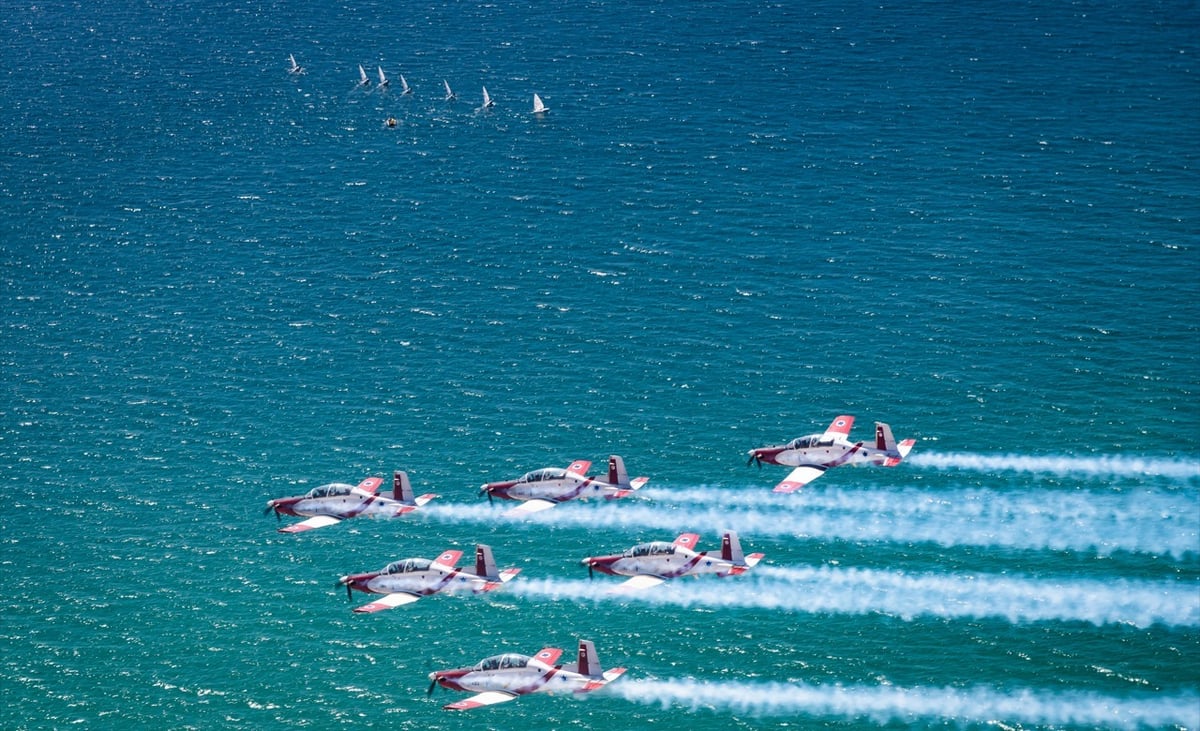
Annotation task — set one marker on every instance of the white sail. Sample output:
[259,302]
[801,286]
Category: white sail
[538,106]
[383,80]
[404,87]
[487,99]
[363,79]
[449,94]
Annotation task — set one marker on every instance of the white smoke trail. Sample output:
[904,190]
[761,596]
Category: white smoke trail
[888,704]
[906,595]
[1149,521]
[1060,465]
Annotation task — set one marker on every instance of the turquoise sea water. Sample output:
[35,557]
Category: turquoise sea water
[223,284]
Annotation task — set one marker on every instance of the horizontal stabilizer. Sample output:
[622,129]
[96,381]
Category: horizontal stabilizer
[637,482]
[388,602]
[486,698]
[421,500]
[597,684]
[317,521]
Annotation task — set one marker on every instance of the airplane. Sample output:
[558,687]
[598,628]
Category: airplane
[406,581]
[295,68]
[487,100]
[363,79]
[384,82]
[333,503]
[813,454]
[650,564]
[502,678]
[543,489]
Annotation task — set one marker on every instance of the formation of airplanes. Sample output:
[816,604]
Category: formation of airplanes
[364,82]
[812,455]
[504,677]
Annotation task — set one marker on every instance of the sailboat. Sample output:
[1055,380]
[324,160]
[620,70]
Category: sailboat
[538,106]
[449,94]
[487,99]
[383,80]
[295,68]
[363,79]
[404,87]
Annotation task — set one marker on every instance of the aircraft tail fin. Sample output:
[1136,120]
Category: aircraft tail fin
[485,563]
[731,549]
[589,663]
[401,487]
[883,437]
[616,471]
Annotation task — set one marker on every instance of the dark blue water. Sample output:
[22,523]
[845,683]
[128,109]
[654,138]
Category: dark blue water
[223,283]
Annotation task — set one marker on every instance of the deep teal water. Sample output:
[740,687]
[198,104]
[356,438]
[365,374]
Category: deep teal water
[223,284]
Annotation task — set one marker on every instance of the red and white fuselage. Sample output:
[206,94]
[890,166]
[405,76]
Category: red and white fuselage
[813,454]
[650,564]
[337,501]
[545,488]
[406,581]
[504,677]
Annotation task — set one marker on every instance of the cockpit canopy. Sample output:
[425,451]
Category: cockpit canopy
[546,473]
[812,440]
[657,548]
[500,662]
[333,489]
[408,565]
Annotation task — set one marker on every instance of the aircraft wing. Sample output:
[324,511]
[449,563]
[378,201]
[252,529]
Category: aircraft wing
[447,560]
[317,521]
[579,467]
[391,600]
[370,485]
[608,677]
[839,428]
[800,477]
[637,583]
[530,506]
[487,698]
[546,658]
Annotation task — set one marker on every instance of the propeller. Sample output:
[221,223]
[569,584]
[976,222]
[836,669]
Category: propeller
[591,571]
[483,490]
[754,459]
[432,685]
[270,507]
